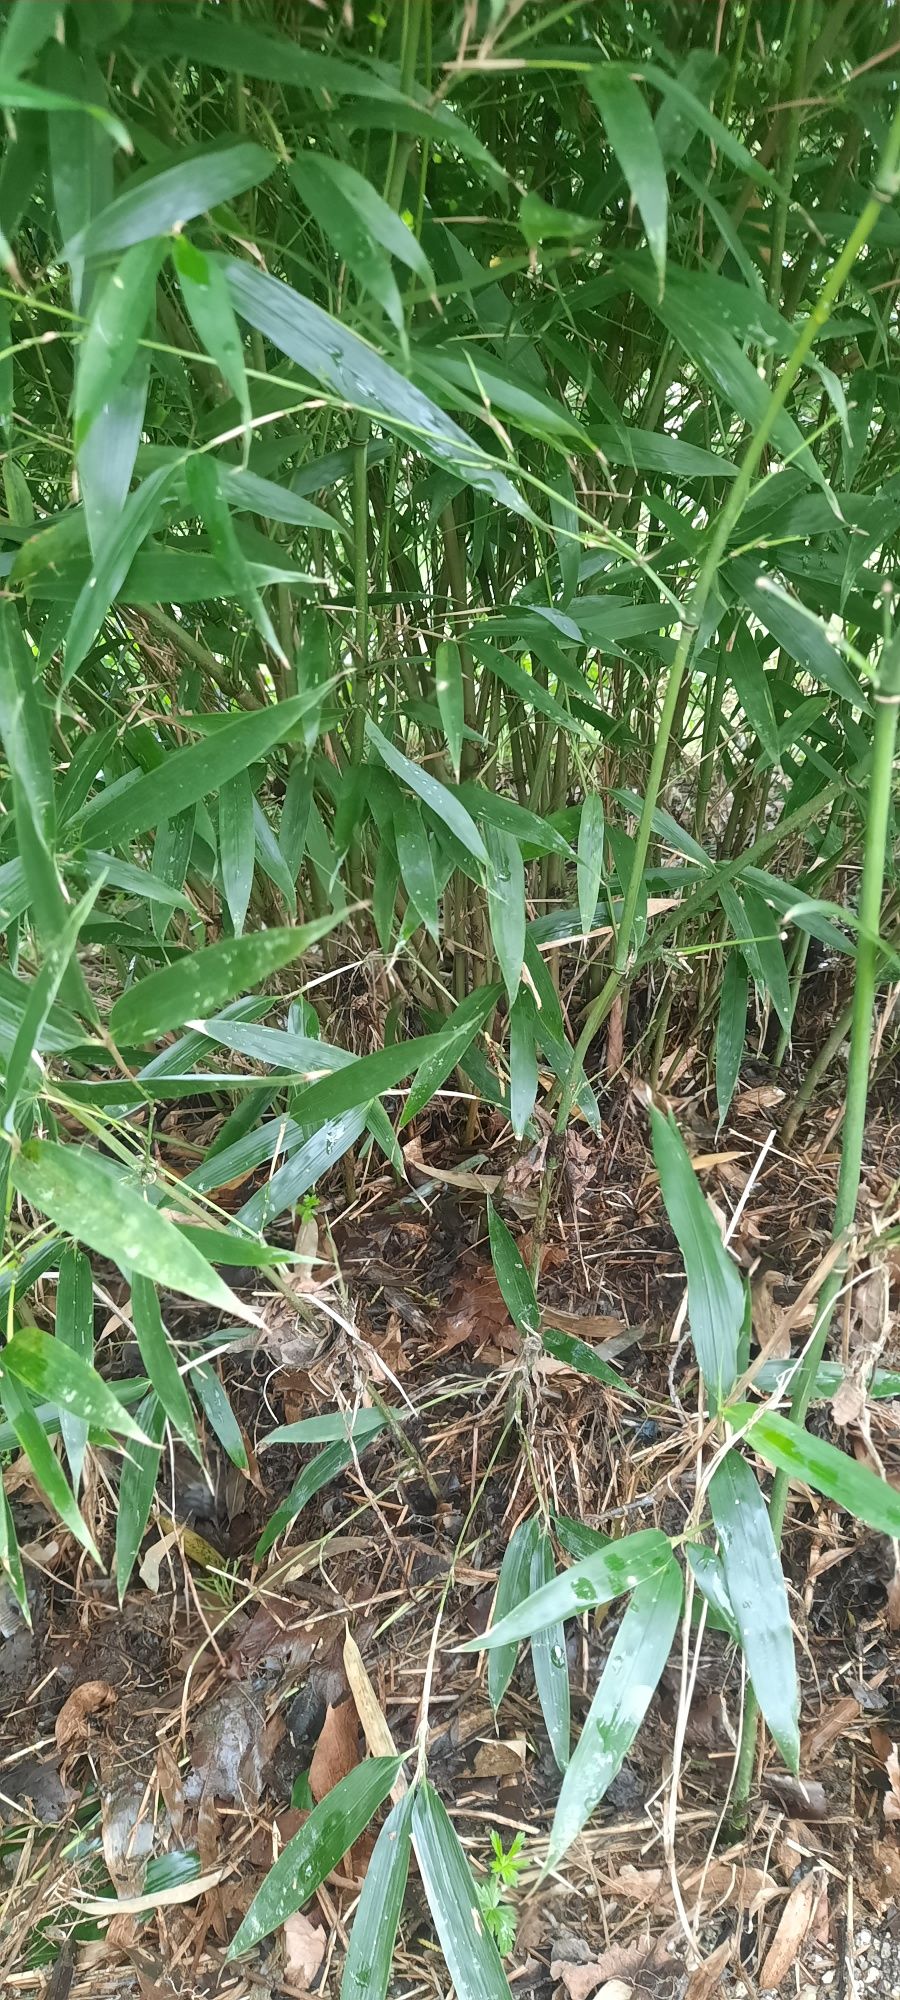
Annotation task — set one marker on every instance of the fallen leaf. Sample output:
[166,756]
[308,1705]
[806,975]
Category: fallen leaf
[704,1980]
[848,1402]
[580,1981]
[168,1778]
[497,1759]
[833,1722]
[793,1927]
[763,1098]
[337,1751]
[304,1950]
[744,1888]
[226,1749]
[74,1723]
[886,1856]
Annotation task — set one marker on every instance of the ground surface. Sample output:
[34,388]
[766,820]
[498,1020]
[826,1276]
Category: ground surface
[186,1720]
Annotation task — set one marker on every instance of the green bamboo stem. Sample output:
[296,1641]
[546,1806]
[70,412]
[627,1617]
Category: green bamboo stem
[887,708]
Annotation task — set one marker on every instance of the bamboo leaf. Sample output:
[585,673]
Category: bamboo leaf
[631,134]
[551,1666]
[161,202]
[715,1287]
[332,1827]
[591,833]
[793,1450]
[609,1573]
[191,988]
[367,1966]
[513,1585]
[756,1590]
[626,1687]
[50,1368]
[136,1489]
[512,1277]
[472,1957]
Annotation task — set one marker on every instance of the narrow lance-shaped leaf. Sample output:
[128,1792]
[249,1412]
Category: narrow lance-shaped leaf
[136,1488]
[626,1687]
[75,1329]
[211,312]
[514,1584]
[512,1277]
[715,1286]
[191,988]
[162,201]
[549,1659]
[610,1573]
[591,830]
[756,1589]
[48,1368]
[367,1967]
[118,319]
[159,1360]
[430,791]
[236,846]
[42,1460]
[731,1031]
[631,134]
[472,1957]
[506,905]
[332,1827]
[814,1462]
[194,772]
[73,1186]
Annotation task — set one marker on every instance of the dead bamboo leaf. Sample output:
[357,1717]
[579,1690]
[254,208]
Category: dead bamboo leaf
[833,1722]
[705,1980]
[304,1950]
[139,1906]
[379,1740]
[792,1931]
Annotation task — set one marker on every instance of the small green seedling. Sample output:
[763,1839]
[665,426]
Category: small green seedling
[505,1868]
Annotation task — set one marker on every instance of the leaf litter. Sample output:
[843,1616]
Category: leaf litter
[234,1698]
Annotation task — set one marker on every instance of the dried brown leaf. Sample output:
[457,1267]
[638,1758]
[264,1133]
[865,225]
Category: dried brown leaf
[337,1751]
[793,1927]
[304,1950]
[76,1723]
[834,1721]
[704,1981]
[498,1759]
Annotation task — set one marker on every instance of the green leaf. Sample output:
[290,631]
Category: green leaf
[448,687]
[358,376]
[527,827]
[416,862]
[41,996]
[505,881]
[204,490]
[137,1486]
[219,1414]
[709,1575]
[326,1429]
[318,1473]
[731,1031]
[751,685]
[575,1353]
[23,723]
[473,1960]
[49,1368]
[138,516]
[625,1690]
[72,1186]
[347,210]
[75,1329]
[189,774]
[433,794]
[715,1286]
[193,987]
[512,1277]
[513,1586]
[791,1449]
[597,1580]
[551,1666]
[158,1357]
[591,833]
[117,322]
[18,95]
[802,634]
[236,845]
[758,932]
[367,1966]
[631,134]
[212,315]
[43,1463]
[11,1559]
[756,1590]
[332,1827]
[450,1046]
[158,203]
[523,1069]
